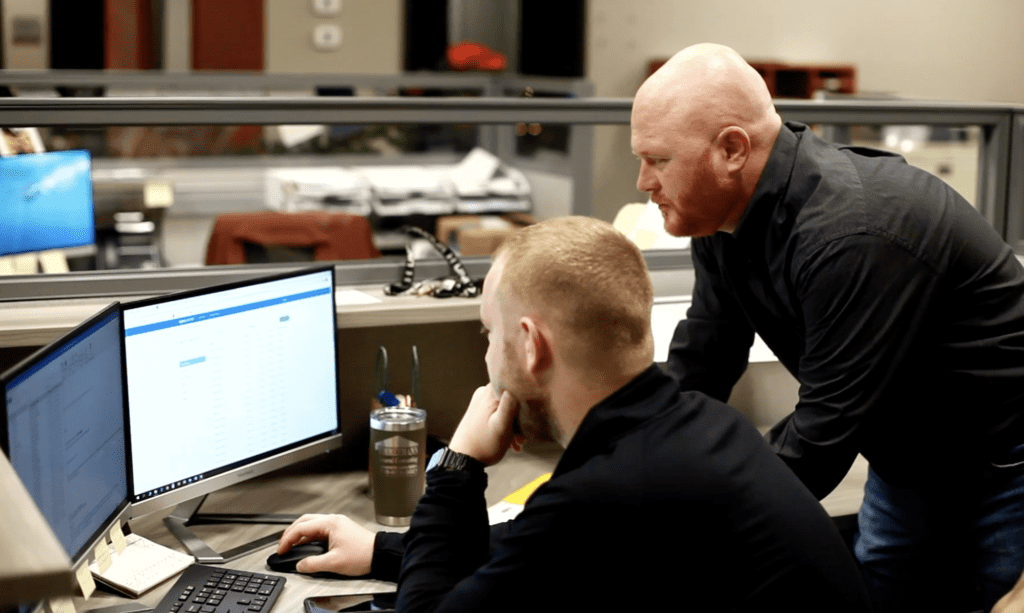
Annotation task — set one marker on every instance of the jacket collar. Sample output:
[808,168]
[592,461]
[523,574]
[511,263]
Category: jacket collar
[633,404]
[771,187]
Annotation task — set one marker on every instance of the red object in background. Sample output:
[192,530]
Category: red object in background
[128,34]
[474,56]
[333,236]
[227,34]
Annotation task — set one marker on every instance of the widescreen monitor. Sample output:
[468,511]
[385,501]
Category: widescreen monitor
[46,202]
[228,383]
[64,431]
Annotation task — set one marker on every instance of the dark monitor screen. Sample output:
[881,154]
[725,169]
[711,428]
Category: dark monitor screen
[64,431]
[45,202]
[228,383]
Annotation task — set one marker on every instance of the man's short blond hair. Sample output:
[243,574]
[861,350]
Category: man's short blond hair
[589,282]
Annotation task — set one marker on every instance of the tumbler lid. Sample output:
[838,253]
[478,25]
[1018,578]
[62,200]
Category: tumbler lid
[396,419]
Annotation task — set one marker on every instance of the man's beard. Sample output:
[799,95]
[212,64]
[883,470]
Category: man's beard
[534,419]
[534,422]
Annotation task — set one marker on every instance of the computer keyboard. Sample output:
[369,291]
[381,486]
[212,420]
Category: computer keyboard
[215,589]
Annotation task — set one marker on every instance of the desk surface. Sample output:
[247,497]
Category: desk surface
[311,487]
[315,488]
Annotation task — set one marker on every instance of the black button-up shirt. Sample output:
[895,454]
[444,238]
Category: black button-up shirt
[891,300]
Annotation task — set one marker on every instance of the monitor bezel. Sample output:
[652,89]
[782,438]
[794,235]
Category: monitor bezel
[121,512]
[69,247]
[251,467]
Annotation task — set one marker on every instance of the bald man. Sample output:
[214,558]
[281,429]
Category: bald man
[892,301]
[662,500]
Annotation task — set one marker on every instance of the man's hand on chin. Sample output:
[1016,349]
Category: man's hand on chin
[485,432]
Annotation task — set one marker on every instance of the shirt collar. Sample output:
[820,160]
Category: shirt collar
[633,404]
[771,186]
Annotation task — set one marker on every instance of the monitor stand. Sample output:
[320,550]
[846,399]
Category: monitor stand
[186,514]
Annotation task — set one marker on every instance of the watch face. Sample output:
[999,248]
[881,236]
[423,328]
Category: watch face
[435,459]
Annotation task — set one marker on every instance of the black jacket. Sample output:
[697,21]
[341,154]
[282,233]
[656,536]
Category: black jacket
[892,301]
[663,500]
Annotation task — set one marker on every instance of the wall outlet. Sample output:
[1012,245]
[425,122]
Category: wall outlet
[326,7]
[326,37]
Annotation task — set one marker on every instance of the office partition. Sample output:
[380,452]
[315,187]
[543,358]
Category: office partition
[998,193]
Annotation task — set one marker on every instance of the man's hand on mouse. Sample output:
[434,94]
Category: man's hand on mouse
[486,431]
[351,545]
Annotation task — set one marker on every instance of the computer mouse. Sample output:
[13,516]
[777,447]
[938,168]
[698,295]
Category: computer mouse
[285,562]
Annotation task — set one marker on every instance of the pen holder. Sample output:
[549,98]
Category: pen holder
[384,398]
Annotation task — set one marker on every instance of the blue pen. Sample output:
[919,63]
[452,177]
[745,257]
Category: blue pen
[387,399]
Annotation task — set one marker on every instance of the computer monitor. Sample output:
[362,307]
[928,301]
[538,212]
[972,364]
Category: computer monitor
[46,202]
[64,431]
[225,384]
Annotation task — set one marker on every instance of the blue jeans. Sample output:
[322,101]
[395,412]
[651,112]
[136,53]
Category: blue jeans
[955,548]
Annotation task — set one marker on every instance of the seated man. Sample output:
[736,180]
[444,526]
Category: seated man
[661,499]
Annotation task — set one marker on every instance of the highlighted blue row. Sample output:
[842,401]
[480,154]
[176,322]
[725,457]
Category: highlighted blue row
[198,360]
[252,306]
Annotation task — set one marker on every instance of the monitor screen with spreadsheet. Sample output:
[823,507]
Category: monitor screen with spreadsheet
[46,202]
[64,431]
[228,383]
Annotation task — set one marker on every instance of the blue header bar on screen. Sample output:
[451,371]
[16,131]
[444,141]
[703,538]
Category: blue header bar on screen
[191,319]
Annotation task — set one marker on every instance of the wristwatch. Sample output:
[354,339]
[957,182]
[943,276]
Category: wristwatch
[446,459]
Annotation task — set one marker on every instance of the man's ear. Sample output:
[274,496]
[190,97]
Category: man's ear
[536,339]
[734,147]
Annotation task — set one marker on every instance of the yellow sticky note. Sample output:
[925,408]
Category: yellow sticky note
[117,538]
[158,194]
[85,581]
[26,264]
[103,560]
[63,604]
[53,261]
[521,495]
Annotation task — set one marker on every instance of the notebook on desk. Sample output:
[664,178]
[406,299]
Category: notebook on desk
[140,567]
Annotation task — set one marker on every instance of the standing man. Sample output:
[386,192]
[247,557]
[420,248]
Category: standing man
[892,301]
[662,500]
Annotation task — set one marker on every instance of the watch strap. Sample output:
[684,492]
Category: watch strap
[446,459]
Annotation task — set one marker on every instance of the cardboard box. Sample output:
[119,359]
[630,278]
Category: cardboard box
[478,235]
[447,225]
[482,241]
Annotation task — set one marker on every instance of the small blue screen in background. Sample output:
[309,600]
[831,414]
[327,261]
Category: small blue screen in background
[45,201]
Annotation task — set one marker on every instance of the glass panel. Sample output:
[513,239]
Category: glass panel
[158,191]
